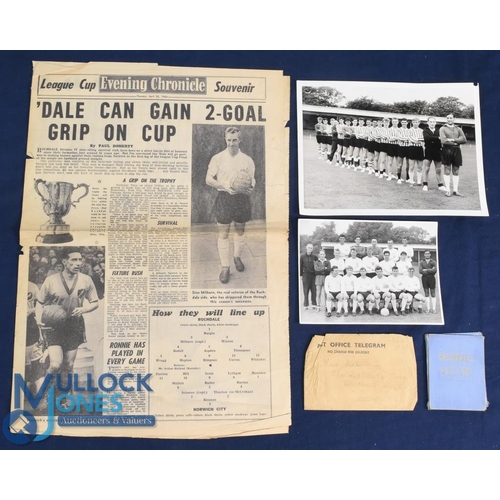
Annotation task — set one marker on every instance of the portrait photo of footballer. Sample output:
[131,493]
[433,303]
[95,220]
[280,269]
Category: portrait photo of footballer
[65,313]
[369,272]
[228,207]
[373,148]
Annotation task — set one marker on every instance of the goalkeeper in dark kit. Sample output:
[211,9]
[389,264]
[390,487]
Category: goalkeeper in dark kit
[232,173]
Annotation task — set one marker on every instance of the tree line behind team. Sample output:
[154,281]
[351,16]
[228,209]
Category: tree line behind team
[368,278]
[383,147]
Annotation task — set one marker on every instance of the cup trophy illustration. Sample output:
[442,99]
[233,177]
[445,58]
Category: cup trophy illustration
[56,197]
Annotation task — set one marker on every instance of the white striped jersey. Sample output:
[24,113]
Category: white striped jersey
[404,136]
[374,134]
[393,134]
[384,134]
[417,136]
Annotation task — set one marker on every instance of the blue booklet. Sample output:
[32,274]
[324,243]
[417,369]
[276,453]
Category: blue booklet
[456,377]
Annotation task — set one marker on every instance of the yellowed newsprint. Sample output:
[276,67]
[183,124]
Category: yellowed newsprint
[152,284]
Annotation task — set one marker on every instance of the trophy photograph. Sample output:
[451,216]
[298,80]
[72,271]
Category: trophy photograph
[56,197]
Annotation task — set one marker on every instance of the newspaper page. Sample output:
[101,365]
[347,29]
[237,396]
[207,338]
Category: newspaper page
[152,284]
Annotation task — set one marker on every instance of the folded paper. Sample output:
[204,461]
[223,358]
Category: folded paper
[360,372]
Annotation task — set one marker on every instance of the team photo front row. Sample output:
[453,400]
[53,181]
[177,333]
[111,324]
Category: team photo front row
[379,294]
[354,285]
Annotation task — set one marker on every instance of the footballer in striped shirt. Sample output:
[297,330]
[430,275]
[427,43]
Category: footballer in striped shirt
[392,148]
[383,132]
[403,146]
[416,152]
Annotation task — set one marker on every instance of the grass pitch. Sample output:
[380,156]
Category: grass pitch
[334,188]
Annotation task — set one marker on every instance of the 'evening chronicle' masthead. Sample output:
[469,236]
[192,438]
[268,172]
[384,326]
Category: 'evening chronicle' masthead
[168,84]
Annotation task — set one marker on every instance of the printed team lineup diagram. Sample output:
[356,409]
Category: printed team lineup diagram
[213,362]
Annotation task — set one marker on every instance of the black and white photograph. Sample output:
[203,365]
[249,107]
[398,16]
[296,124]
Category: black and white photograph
[228,207]
[369,272]
[65,313]
[373,148]
[57,202]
